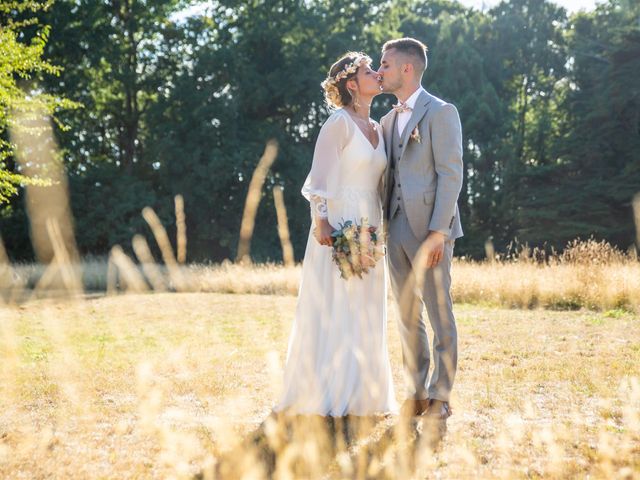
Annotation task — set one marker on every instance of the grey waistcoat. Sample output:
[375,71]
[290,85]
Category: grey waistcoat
[395,198]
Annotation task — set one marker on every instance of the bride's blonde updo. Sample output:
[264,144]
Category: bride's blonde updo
[336,93]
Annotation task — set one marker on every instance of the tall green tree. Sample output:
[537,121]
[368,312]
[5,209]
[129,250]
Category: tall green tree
[118,63]
[529,48]
[598,151]
[22,65]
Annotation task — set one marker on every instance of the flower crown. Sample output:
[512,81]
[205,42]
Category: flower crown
[330,84]
[348,69]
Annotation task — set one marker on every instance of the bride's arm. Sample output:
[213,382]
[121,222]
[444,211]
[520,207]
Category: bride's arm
[320,183]
[323,229]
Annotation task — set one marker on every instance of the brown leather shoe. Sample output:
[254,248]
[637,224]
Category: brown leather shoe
[412,407]
[438,409]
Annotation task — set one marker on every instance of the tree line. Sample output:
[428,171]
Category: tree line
[150,104]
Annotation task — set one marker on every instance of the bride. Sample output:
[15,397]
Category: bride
[337,361]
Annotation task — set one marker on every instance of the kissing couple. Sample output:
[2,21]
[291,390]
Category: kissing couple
[403,175]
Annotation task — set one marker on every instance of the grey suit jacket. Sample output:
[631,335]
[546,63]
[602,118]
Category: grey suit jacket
[430,170]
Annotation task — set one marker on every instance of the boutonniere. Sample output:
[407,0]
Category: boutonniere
[415,135]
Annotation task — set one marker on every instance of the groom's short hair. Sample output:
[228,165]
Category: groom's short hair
[412,48]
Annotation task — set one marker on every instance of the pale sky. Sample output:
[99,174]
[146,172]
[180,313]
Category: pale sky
[570,5]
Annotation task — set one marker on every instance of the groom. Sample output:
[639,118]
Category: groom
[420,191]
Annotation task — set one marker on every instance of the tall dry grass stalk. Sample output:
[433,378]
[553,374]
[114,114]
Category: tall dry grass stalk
[6,272]
[63,259]
[636,217]
[128,272]
[176,274]
[181,230]
[489,251]
[283,227]
[253,201]
[61,276]
[149,266]
[36,155]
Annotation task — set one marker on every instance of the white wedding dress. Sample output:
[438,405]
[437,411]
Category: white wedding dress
[337,361]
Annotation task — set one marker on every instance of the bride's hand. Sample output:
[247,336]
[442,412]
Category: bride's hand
[323,231]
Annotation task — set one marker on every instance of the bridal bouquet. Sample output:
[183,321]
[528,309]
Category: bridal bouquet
[356,248]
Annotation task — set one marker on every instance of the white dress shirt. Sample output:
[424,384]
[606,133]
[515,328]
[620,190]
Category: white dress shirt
[403,118]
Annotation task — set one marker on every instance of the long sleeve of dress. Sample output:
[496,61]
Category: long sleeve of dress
[322,182]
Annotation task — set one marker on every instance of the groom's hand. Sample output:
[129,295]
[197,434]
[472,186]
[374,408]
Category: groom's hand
[433,248]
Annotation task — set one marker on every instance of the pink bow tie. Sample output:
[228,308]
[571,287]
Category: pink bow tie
[402,107]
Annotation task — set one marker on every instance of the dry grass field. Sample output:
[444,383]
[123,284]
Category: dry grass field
[592,275]
[527,285]
[170,385]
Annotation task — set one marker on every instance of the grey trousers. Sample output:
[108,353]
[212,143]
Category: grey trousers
[402,247]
